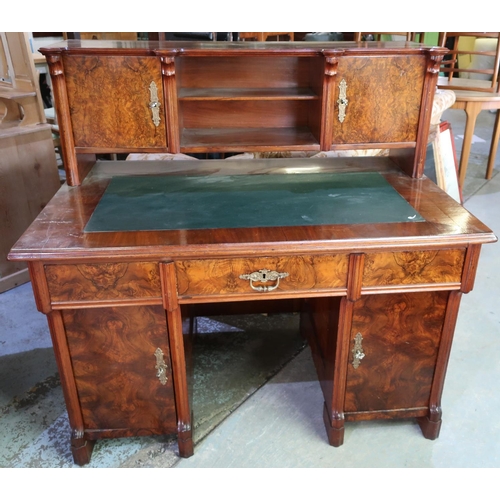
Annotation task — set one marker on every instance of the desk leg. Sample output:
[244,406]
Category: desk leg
[326,323]
[178,356]
[334,428]
[81,449]
[431,424]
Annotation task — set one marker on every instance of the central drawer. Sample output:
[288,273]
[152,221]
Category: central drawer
[261,276]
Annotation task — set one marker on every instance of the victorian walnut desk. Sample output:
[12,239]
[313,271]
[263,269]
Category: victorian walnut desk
[373,255]
[378,300]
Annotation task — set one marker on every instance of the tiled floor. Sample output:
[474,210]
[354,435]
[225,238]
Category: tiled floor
[281,424]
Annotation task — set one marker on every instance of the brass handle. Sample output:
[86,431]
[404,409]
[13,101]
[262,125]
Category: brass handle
[358,353]
[161,366]
[154,104]
[342,101]
[263,276]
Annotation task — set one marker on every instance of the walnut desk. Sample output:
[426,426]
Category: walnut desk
[378,298]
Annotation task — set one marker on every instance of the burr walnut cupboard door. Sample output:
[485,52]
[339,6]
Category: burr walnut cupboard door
[381,99]
[393,351]
[121,364]
[110,101]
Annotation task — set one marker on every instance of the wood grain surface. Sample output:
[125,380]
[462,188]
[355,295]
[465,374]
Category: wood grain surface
[222,276]
[396,268]
[401,335]
[384,95]
[109,101]
[112,351]
[105,281]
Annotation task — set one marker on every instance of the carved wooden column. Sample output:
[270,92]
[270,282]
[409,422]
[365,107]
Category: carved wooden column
[430,84]
[56,70]
[331,64]
[333,414]
[170,98]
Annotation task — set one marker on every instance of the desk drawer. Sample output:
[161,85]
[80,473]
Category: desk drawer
[412,268]
[218,277]
[107,281]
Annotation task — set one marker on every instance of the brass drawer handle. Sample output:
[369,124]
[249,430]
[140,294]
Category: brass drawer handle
[342,101]
[358,353]
[161,366]
[263,276]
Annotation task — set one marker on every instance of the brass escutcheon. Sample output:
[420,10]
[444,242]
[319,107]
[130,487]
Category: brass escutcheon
[342,101]
[358,353]
[263,276]
[154,104]
[161,366]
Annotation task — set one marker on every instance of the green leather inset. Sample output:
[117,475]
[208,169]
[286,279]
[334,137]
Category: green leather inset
[146,203]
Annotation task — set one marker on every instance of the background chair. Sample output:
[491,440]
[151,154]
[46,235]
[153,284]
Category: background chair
[362,36]
[471,71]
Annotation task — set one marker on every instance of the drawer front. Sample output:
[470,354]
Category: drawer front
[94,282]
[409,268]
[222,277]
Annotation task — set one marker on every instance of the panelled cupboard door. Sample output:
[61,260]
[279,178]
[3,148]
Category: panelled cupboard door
[110,100]
[377,99]
[124,382]
[393,350]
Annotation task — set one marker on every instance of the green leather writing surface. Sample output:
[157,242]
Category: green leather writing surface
[147,203]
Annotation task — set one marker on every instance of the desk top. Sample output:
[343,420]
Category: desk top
[58,232]
[197,48]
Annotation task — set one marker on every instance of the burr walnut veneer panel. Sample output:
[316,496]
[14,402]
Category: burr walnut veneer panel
[400,339]
[399,268]
[105,281]
[109,100]
[115,369]
[215,278]
[384,98]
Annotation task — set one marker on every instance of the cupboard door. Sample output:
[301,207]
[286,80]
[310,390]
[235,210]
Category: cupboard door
[118,370]
[383,99]
[109,99]
[399,336]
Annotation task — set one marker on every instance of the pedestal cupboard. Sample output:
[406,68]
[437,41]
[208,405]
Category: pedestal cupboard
[378,289]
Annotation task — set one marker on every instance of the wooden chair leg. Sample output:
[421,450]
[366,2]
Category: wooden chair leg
[472,109]
[494,146]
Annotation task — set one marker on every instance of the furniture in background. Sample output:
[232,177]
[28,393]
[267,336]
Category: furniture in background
[265,36]
[378,298]
[471,71]
[98,35]
[208,36]
[361,36]
[28,171]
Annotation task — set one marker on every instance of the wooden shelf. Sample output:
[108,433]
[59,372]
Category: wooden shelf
[250,139]
[247,94]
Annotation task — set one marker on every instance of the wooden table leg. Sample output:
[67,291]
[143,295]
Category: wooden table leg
[334,429]
[81,449]
[472,109]
[494,146]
